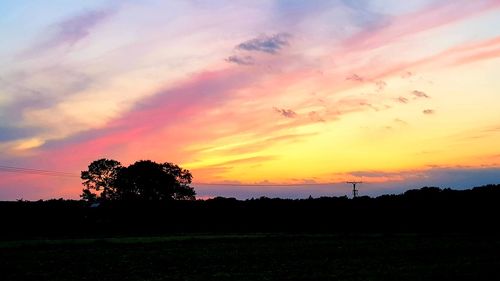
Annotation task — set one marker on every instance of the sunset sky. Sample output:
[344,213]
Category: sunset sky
[275,98]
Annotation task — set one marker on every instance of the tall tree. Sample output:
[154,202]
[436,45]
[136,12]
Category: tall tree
[101,177]
[183,178]
[148,180]
[143,180]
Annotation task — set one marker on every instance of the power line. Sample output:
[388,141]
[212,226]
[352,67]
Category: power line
[40,172]
[35,170]
[261,184]
[43,172]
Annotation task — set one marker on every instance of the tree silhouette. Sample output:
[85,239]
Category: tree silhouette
[101,177]
[183,178]
[143,180]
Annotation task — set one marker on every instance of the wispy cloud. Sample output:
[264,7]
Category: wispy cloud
[71,30]
[400,121]
[241,60]
[434,15]
[288,113]
[407,74]
[315,116]
[453,176]
[245,160]
[380,85]
[212,171]
[355,78]
[267,44]
[402,100]
[420,94]
[260,145]
[12,133]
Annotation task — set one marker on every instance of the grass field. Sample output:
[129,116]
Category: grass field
[255,257]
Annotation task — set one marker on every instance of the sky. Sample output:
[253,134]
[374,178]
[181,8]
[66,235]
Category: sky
[277,98]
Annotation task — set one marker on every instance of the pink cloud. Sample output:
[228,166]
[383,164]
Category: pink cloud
[412,23]
[457,55]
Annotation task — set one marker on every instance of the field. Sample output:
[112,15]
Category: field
[256,257]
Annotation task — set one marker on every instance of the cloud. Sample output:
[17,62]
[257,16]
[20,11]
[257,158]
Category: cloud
[34,94]
[428,111]
[400,121]
[367,104]
[247,160]
[461,177]
[355,77]
[380,85]
[380,174]
[419,94]
[288,113]
[402,100]
[9,133]
[71,30]
[315,116]
[306,181]
[482,55]
[213,170]
[398,181]
[433,16]
[492,129]
[158,117]
[36,87]
[264,143]
[267,44]
[407,74]
[241,60]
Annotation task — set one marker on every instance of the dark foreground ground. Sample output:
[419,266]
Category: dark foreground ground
[256,257]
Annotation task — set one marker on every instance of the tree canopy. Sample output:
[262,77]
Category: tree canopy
[107,179]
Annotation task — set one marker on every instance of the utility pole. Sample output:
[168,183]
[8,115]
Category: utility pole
[354,190]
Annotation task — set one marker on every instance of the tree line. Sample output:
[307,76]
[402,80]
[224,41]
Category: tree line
[429,209]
